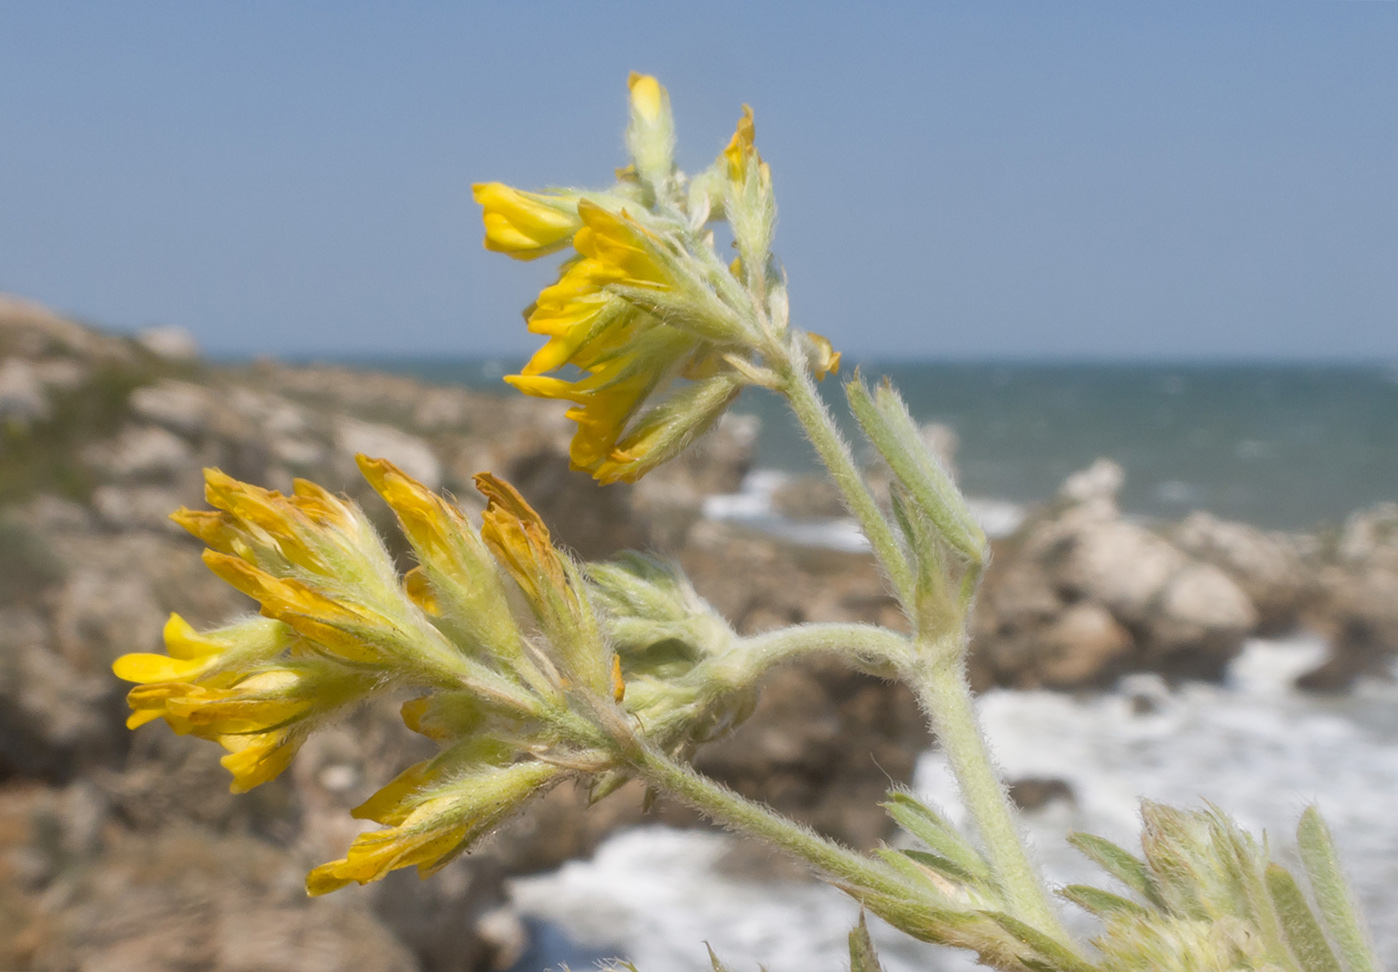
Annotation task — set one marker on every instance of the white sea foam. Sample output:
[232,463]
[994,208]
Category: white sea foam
[1253,746]
[753,509]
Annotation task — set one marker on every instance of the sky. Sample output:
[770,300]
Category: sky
[955,181]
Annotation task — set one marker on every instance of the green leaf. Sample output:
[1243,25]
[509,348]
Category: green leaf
[1303,933]
[1120,864]
[886,422]
[862,957]
[947,868]
[932,829]
[1101,903]
[1337,908]
[1056,954]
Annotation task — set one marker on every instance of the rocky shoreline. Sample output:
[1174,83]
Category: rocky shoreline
[120,849]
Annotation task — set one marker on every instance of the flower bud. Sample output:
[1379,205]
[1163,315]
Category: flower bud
[651,134]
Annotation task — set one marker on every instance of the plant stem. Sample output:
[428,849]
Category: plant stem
[876,651]
[938,677]
[819,426]
[719,803]
[936,674]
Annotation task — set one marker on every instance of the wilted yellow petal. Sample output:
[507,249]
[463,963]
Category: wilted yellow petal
[826,359]
[519,540]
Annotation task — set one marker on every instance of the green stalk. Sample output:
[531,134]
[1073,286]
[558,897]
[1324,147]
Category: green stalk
[815,419]
[876,651]
[938,678]
[721,804]
[937,674]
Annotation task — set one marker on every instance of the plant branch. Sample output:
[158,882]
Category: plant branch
[834,452]
[721,804]
[939,680]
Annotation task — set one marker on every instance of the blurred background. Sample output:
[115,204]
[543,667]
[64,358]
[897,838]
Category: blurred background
[1135,268]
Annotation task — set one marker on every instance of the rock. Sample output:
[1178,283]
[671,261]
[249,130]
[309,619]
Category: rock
[22,396]
[1269,567]
[1119,565]
[170,341]
[1201,622]
[55,717]
[1082,646]
[414,456]
[1097,485]
[1358,605]
[1036,792]
[138,507]
[188,899]
[808,497]
[140,453]
[179,406]
[1080,595]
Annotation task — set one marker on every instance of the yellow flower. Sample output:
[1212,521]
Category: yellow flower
[456,580]
[519,541]
[430,822]
[310,529]
[227,686]
[525,225]
[741,147]
[628,346]
[749,204]
[314,562]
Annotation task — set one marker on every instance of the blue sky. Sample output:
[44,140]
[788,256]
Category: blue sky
[956,180]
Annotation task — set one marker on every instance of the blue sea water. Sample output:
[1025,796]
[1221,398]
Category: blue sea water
[1279,445]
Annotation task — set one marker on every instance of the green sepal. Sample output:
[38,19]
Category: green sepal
[1299,926]
[938,834]
[1121,864]
[1336,904]
[887,423]
[862,956]
[1057,955]
[1101,903]
[713,959]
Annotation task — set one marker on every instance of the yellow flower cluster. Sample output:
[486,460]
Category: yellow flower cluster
[645,310]
[340,625]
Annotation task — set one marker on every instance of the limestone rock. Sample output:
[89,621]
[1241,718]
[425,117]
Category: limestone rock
[410,453]
[140,453]
[1270,567]
[179,406]
[169,341]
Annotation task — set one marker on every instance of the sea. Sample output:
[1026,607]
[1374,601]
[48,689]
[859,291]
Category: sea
[1281,446]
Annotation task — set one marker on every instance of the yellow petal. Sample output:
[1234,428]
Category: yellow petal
[827,359]
[147,668]
[254,760]
[524,225]
[647,96]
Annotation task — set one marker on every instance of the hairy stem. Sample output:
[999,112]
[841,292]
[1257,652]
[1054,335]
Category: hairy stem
[721,804]
[875,651]
[815,419]
[939,679]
